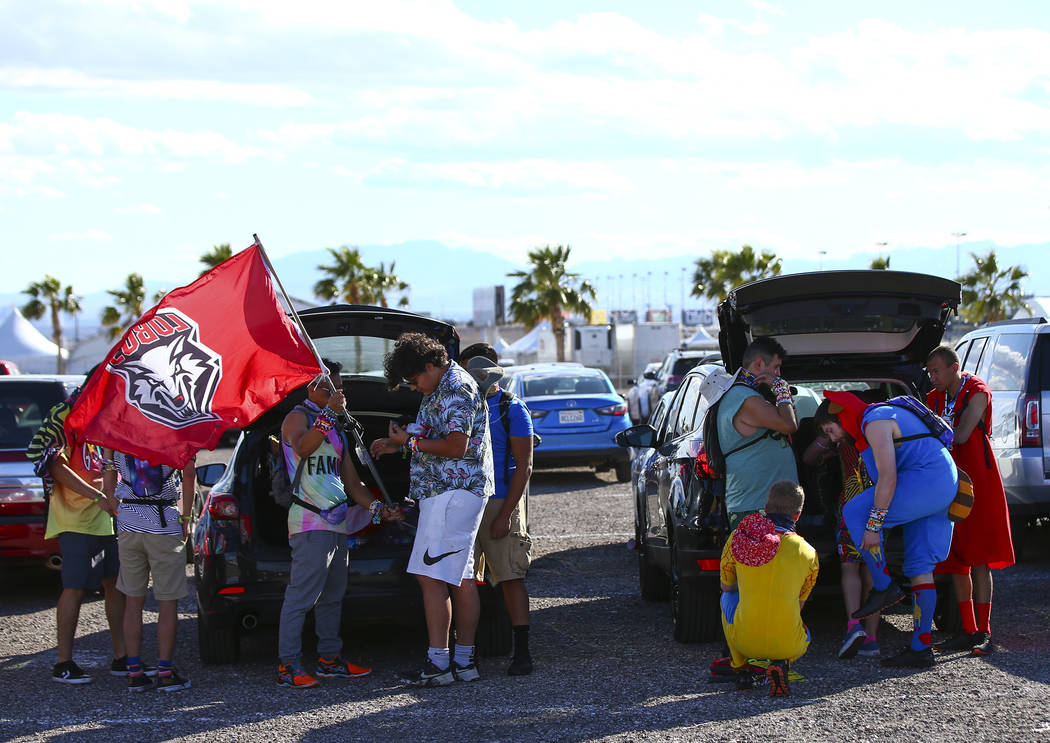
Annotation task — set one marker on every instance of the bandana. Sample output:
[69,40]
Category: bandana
[755,541]
[748,378]
[850,409]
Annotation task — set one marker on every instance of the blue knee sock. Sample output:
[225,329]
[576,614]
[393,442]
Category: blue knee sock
[876,561]
[924,598]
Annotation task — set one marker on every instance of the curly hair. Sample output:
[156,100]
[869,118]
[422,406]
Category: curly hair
[412,352]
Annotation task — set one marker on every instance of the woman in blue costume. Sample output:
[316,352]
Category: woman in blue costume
[915,483]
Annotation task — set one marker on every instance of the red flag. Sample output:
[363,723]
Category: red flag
[213,355]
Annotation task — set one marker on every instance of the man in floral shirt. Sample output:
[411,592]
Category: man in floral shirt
[451,478]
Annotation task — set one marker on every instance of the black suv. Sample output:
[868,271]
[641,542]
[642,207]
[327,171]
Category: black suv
[240,542]
[865,331]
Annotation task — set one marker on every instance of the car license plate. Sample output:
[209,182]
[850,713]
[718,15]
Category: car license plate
[570,416]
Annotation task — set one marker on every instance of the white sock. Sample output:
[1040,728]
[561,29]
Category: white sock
[439,657]
[464,654]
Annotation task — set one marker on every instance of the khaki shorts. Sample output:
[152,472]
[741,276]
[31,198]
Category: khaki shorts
[161,555]
[507,558]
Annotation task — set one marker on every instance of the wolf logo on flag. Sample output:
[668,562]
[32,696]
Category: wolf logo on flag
[170,376]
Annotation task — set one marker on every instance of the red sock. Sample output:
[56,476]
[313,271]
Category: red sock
[969,622]
[984,617]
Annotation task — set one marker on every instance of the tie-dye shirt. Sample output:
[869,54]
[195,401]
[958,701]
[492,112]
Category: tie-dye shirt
[457,405]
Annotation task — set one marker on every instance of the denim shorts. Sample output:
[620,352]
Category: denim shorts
[87,559]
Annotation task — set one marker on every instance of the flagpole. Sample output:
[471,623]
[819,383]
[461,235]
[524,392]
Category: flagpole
[353,424]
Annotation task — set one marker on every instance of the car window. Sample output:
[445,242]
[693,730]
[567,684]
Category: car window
[973,355]
[23,406]
[960,351]
[686,414]
[683,365]
[1044,361]
[566,384]
[358,354]
[1009,360]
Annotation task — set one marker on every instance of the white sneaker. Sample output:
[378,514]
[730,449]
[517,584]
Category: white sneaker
[468,672]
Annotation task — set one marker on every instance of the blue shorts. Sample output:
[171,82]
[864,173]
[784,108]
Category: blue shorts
[87,559]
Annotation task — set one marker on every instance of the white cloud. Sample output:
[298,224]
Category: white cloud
[525,175]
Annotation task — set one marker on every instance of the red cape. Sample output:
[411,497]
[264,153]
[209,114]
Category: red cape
[984,537]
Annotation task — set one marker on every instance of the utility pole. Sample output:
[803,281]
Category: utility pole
[957,236]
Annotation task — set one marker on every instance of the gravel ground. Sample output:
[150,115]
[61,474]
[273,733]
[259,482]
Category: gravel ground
[607,666]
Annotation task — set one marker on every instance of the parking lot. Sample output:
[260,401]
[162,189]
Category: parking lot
[607,666]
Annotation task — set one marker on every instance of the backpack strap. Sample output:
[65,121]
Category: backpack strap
[298,477]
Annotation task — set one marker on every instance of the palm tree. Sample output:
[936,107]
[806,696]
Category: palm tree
[126,307]
[215,256]
[714,277]
[347,277]
[990,294]
[50,295]
[881,264]
[547,291]
[379,281]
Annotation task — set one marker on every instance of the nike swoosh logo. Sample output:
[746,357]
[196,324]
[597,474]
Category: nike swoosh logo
[431,560]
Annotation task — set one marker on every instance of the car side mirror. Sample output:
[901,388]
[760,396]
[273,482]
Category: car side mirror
[649,375]
[641,436]
[631,382]
[209,474]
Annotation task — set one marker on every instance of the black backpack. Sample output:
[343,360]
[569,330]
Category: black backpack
[711,460]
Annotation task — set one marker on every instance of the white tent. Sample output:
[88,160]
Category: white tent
[701,341]
[538,345]
[26,346]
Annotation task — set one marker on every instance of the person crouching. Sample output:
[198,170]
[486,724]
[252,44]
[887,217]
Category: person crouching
[768,572]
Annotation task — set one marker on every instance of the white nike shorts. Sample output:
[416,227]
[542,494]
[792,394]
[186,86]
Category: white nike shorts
[444,546]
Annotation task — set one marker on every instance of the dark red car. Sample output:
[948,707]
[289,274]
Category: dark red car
[24,401]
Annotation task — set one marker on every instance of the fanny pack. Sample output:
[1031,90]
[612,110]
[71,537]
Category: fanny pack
[962,504]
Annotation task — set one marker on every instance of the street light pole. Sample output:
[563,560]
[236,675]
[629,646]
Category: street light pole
[822,254]
[957,235]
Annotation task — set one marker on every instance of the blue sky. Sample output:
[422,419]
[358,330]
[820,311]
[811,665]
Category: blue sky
[135,134]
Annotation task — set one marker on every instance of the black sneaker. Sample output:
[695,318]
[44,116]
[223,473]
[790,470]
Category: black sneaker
[141,683]
[745,680]
[983,644]
[119,667]
[879,601]
[468,672]
[174,682]
[69,673]
[520,665]
[429,675]
[909,658]
[961,641]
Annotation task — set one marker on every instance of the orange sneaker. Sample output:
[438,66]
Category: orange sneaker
[294,676]
[339,668]
[778,678]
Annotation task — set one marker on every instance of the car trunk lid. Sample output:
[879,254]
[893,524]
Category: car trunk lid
[841,324]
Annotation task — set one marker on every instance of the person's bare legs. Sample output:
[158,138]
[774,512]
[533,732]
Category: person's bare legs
[982,584]
[133,625]
[871,624]
[852,586]
[467,604]
[67,615]
[516,598]
[437,608]
[115,616]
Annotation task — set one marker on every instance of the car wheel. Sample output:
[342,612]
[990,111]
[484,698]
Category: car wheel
[652,582]
[623,471]
[494,638]
[695,607]
[217,644]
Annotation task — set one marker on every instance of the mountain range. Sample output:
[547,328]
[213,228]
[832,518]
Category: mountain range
[442,278]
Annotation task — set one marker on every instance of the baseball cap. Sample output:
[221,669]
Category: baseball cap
[716,384]
[484,371]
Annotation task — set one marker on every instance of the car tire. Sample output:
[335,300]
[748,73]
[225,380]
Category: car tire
[623,471]
[494,638]
[216,644]
[653,583]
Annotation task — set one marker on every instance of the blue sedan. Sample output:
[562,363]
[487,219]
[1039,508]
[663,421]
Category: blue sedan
[577,412]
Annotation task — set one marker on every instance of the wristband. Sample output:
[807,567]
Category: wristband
[413,444]
[374,508]
[875,519]
[183,519]
[109,465]
[322,424]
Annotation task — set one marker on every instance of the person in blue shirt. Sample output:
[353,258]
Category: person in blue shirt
[503,542]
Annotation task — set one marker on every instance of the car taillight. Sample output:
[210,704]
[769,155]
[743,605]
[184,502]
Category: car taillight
[222,507]
[21,490]
[673,380]
[618,409]
[1031,431]
[709,564]
[537,413]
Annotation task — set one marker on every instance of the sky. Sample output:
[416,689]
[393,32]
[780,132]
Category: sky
[136,134]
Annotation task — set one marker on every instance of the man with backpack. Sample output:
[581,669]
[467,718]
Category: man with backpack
[916,482]
[503,542]
[751,418]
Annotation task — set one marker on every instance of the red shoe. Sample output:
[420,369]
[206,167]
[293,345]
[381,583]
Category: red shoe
[294,676]
[339,668]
